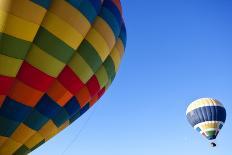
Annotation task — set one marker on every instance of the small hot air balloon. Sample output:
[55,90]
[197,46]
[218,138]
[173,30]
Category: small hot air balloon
[57,58]
[207,116]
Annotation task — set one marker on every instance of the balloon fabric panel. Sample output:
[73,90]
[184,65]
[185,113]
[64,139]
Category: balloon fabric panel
[57,59]
[208,113]
[207,116]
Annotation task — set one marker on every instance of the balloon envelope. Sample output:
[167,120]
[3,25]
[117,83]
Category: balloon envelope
[57,58]
[207,116]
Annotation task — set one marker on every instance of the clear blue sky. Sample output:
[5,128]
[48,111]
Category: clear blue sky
[177,51]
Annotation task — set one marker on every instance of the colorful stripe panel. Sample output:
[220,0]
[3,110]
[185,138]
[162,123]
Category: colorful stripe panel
[207,116]
[57,59]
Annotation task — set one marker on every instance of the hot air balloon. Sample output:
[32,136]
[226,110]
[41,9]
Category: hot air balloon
[207,116]
[57,58]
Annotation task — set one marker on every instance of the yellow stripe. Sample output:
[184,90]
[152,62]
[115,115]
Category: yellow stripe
[108,85]
[2,140]
[80,67]
[71,15]
[9,147]
[20,28]
[209,125]
[5,4]
[98,42]
[34,140]
[9,66]
[203,102]
[115,55]
[102,76]
[44,62]
[24,9]
[48,130]
[62,30]
[104,29]
[3,17]
[22,134]
[119,45]
[63,126]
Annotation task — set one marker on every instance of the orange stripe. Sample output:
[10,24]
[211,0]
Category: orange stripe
[2,98]
[118,4]
[25,94]
[83,96]
[59,94]
[93,100]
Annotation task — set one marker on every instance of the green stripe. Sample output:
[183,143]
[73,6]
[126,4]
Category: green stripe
[74,117]
[8,128]
[211,133]
[110,68]
[38,145]
[90,55]
[13,47]
[102,76]
[53,46]
[23,150]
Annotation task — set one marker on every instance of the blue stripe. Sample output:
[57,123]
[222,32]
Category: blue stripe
[35,120]
[79,113]
[47,106]
[207,113]
[109,17]
[198,129]
[96,4]
[84,109]
[85,7]
[123,35]
[7,126]
[72,107]
[44,3]
[75,3]
[88,10]
[14,110]
[60,117]
[114,9]
[211,137]
[220,126]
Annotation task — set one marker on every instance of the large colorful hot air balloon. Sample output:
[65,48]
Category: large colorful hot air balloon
[57,58]
[207,116]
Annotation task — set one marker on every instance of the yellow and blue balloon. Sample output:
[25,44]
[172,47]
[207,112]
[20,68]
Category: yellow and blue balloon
[207,116]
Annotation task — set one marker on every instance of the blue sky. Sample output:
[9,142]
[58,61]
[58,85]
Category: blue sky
[177,51]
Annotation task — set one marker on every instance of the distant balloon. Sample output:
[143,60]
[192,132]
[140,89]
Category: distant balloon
[207,116]
[57,58]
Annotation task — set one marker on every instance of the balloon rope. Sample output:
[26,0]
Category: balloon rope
[79,133]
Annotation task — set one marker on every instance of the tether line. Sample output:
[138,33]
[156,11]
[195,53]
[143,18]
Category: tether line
[78,134]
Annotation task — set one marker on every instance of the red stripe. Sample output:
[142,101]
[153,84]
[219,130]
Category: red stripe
[93,86]
[101,92]
[5,84]
[34,77]
[118,4]
[70,80]
[97,97]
